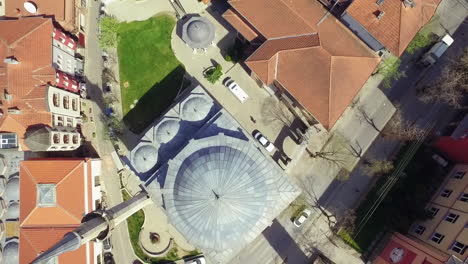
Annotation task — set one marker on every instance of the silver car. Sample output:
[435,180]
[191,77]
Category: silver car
[302,217]
[196,260]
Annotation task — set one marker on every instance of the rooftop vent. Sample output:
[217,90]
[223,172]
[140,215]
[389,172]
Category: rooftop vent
[11,60]
[7,96]
[380,2]
[380,15]
[408,3]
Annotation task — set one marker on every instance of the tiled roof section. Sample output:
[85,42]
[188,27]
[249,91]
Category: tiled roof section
[323,71]
[241,26]
[62,10]
[398,26]
[275,18]
[36,240]
[29,40]
[68,175]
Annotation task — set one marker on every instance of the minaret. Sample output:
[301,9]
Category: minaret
[95,226]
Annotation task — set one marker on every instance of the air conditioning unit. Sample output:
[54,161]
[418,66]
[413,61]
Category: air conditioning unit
[409,3]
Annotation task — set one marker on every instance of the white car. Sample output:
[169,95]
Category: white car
[263,141]
[196,260]
[236,90]
[302,217]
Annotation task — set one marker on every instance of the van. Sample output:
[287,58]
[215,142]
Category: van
[437,51]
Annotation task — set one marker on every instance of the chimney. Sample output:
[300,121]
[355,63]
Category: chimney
[14,110]
[380,15]
[379,2]
[11,60]
[408,3]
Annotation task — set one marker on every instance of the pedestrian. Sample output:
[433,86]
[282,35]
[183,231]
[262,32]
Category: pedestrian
[253,119]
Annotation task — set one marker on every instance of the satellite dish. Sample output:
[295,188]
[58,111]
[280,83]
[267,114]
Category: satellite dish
[30,7]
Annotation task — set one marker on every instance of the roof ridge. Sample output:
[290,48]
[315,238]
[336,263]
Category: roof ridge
[303,19]
[29,216]
[30,242]
[70,172]
[292,36]
[399,27]
[329,92]
[66,212]
[32,30]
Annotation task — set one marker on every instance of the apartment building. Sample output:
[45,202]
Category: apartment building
[37,92]
[447,230]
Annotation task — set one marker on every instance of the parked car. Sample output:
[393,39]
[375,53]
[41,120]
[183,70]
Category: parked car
[236,89]
[263,141]
[107,87]
[196,260]
[107,245]
[302,217]
[441,161]
[109,258]
[437,51]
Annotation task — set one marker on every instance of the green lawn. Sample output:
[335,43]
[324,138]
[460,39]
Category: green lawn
[403,204]
[149,71]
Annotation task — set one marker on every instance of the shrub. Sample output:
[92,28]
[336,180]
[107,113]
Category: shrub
[421,40]
[390,69]
[213,74]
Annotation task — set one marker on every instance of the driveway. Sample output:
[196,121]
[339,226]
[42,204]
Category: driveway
[136,10]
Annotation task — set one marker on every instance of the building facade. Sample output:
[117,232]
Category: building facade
[447,230]
[39,92]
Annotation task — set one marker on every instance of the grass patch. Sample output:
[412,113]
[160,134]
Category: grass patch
[405,201]
[149,71]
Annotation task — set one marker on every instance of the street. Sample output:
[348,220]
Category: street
[122,249]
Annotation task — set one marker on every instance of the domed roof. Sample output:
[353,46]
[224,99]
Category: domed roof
[10,252]
[198,32]
[12,190]
[166,130]
[196,108]
[222,192]
[13,211]
[144,158]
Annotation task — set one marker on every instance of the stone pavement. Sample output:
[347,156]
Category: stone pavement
[136,10]
[249,113]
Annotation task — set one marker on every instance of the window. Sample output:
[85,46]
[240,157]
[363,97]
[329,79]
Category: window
[458,247]
[434,211]
[419,229]
[452,218]
[464,198]
[459,174]
[436,237]
[446,193]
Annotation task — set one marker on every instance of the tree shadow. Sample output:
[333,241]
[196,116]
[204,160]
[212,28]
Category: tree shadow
[284,245]
[155,102]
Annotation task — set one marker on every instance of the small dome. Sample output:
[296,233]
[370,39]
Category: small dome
[166,130]
[13,211]
[12,190]
[10,252]
[144,158]
[196,108]
[198,32]
[2,185]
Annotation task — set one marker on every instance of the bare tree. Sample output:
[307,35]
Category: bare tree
[401,129]
[364,116]
[334,151]
[356,149]
[451,86]
[378,166]
[274,112]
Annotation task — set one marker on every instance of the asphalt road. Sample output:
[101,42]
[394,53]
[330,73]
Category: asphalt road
[122,249]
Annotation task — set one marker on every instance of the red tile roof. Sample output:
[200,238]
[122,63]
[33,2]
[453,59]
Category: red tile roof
[455,150]
[41,227]
[29,40]
[62,10]
[398,26]
[240,25]
[323,66]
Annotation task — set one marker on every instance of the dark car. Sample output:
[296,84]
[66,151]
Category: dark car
[109,258]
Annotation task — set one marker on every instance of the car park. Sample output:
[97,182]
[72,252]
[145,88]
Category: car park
[196,260]
[263,141]
[235,89]
[302,217]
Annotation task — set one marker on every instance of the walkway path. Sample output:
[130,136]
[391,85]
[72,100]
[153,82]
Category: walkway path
[136,10]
